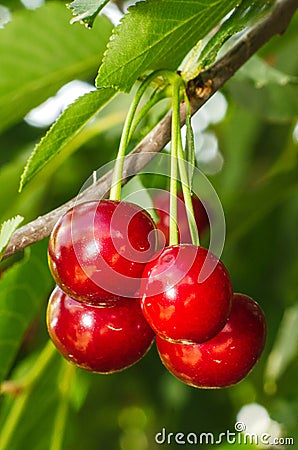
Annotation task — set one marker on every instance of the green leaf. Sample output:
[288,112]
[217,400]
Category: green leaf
[6,231]
[262,75]
[266,91]
[86,10]
[40,52]
[35,427]
[64,130]
[284,350]
[23,288]
[157,34]
[247,13]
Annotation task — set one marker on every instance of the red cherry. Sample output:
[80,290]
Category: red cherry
[101,339]
[161,204]
[226,358]
[186,293]
[97,250]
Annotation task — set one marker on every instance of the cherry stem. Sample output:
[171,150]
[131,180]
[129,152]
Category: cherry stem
[175,131]
[115,192]
[186,181]
[189,144]
[156,97]
[187,197]
[20,402]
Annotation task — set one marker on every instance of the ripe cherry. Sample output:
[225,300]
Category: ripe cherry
[186,293]
[226,358]
[161,204]
[101,339]
[97,250]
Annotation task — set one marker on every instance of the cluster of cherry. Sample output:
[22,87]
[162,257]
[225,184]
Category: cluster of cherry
[117,290]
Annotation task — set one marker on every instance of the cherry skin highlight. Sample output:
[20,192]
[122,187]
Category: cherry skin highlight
[101,339]
[225,359]
[186,293]
[97,250]
[161,204]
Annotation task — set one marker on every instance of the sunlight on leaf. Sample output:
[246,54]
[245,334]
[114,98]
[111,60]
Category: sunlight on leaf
[157,34]
[86,10]
[247,13]
[63,130]
[40,52]
[6,231]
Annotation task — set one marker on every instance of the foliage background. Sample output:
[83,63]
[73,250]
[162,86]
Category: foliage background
[258,186]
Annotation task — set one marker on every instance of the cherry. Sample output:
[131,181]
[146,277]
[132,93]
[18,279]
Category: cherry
[186,293]
[97,250]
[101,339]
[161,204]
[226,358]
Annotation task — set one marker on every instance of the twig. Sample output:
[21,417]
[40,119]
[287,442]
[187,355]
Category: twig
[199,90]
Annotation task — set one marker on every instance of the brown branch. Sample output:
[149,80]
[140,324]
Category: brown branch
[199,90]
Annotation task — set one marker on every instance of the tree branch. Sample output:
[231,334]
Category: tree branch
[200,90]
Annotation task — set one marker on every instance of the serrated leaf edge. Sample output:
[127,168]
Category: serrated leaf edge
[111,38]
[23,180]
[114,34]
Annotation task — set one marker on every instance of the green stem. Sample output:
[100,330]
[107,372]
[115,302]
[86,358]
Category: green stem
[20,402]
[190,143]
[152,102]
[115,192]
[187,197]
[186,180]
[175,132]
[65,378]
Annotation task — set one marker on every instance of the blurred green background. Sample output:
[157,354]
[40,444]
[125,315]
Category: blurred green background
[252,164]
